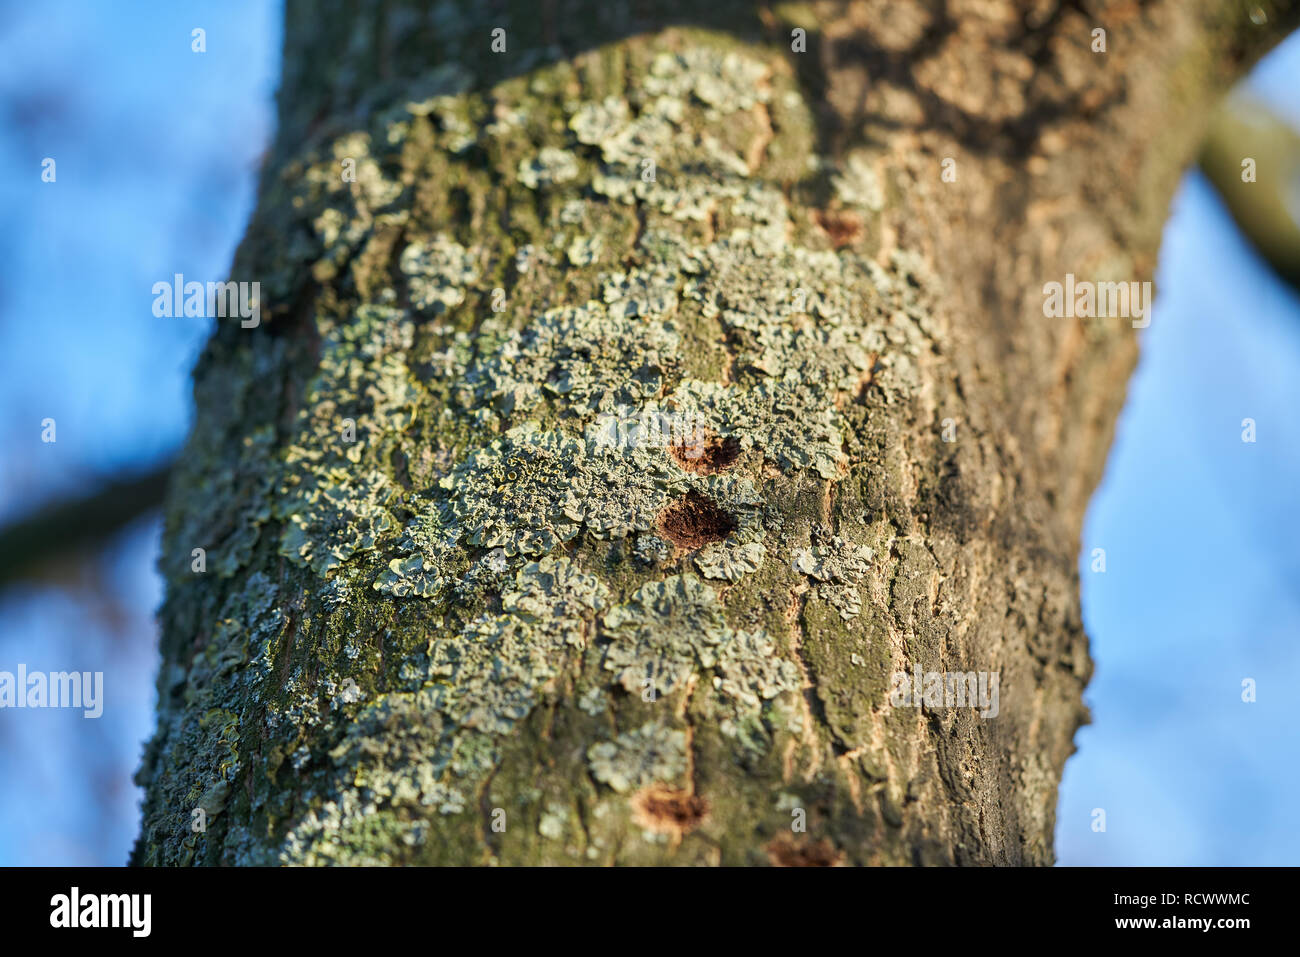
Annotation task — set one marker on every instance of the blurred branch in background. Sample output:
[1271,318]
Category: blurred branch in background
[1253,159]
[60,529]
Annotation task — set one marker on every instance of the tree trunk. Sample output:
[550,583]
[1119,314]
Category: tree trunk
[631,405]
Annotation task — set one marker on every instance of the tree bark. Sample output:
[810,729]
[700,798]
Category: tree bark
[633,403]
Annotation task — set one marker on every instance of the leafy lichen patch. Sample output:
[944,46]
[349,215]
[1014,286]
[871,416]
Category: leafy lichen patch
[408,577]
[671,630]
[549,167]
[650,754]
[585,359]
[730,561]
[335,496]
[438,271]
[432,747]
[838,567]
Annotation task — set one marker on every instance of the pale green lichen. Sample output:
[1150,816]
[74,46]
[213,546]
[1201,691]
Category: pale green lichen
[637,758]
[641,292]
[407,577]
[652,550]
[675,628]
[346,197]
[552,822]
[533,490]
[730,561]
[517,494]
[584,250]
[437,273]
[839,567]
[342,514]
[430,747]
[596,123]
[667,631]
[549,167]
[749,673]
[494,670]
[361,396]
[593,701]
[582,356]
[554,592]
[858,184]
[726,85]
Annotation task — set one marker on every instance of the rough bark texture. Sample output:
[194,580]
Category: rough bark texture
[492,627]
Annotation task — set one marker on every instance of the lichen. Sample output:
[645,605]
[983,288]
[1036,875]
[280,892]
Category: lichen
[360,396]
[408,577]
[730,561]
[651,753]
[672,629]
[437,273]
[549,167]
[838,567]
[431,747]
[586,358]
[858,184]
[664,633]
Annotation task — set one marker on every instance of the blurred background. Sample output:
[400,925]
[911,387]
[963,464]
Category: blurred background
[157,149]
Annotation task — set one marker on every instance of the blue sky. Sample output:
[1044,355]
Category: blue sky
[1200,588]
[157,150]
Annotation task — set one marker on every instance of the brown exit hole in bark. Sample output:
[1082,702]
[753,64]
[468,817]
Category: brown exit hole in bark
[785,851]
[666,810]
[693,521]
[843,228]
[705,453]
